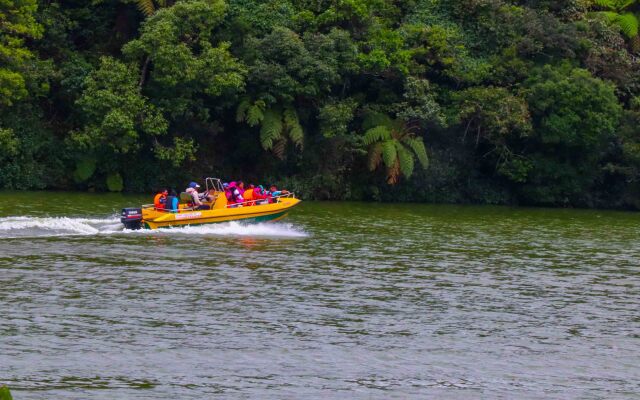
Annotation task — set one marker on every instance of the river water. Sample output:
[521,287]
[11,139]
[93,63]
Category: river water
[338,301]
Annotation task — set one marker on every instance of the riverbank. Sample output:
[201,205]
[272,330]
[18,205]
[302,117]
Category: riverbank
[15,197]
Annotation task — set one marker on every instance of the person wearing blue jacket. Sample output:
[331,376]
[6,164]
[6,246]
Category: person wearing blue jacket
[171,204]
[274,192]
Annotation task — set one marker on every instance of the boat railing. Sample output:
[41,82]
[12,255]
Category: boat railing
[248,203]
[260,202]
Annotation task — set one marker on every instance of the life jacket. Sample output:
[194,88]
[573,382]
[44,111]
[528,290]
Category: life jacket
[249,196]
[171,204]
[259,196]
[234,194]
[159,201]
[235,197]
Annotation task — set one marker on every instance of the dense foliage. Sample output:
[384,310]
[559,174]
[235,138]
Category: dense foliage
[491,101]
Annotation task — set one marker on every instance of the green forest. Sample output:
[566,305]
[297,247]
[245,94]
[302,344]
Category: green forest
[454,101]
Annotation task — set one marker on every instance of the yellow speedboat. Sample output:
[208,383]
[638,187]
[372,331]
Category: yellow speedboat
[151,218]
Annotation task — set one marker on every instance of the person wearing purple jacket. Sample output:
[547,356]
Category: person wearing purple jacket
[235,197]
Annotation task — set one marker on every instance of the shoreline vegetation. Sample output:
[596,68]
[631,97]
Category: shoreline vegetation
[5,393]
[527,102]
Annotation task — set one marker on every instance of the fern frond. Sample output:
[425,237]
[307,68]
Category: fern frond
[290,116]
[241,111]
[293,127]
[628,23]
[405,159]
[271,130]
[610,16]
[610,4]
[389,153]
[255,114]
[279,148]
[623,4]
[375,156]
[417,146]
[296,134]
[377,134]
[146,7]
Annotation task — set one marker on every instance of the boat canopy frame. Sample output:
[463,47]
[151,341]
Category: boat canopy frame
[214,184]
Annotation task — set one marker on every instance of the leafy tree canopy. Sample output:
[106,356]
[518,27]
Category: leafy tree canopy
[529,102]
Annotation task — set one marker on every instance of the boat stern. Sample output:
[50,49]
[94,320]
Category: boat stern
[131,218]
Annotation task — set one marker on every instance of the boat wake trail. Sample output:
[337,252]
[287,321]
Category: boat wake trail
[16,227]
[275,229]
[30,227]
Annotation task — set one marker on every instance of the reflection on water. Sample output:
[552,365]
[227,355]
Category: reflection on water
[337,301]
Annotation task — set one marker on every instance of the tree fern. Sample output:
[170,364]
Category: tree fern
[389,153]
[628,23]
[610,16]
[252,113]
[377,134]
[606,3]
[393,173]
[417,146]
[405,159]
[622,4]
[393,143]
[241,111]
[278,125]
[375,156]
[255,113]
[279,147]
[617,5]
[271,130]
[293,127]
[147,7]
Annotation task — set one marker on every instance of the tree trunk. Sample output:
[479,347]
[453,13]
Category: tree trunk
[143,75]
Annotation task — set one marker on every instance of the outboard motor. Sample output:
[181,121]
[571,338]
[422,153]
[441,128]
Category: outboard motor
[131,218]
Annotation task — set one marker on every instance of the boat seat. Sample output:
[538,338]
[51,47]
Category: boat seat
[185,197]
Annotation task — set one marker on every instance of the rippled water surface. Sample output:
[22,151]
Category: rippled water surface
[337,301]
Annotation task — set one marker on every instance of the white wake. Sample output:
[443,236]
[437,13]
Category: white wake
[25,227]
[279,229]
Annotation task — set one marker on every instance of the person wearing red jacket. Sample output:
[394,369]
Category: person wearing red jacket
[160,199]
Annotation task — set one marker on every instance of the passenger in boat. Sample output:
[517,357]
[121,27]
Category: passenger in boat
[259,195]
[227,191]
[274,192]
[172,202]
[241,189]
[160,199]
[250,195]
[192,190]
[235,198]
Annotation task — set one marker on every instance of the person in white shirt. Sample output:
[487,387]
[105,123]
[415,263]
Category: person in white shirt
[197,197]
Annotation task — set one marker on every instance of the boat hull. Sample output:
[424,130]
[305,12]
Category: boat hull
[152,219]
